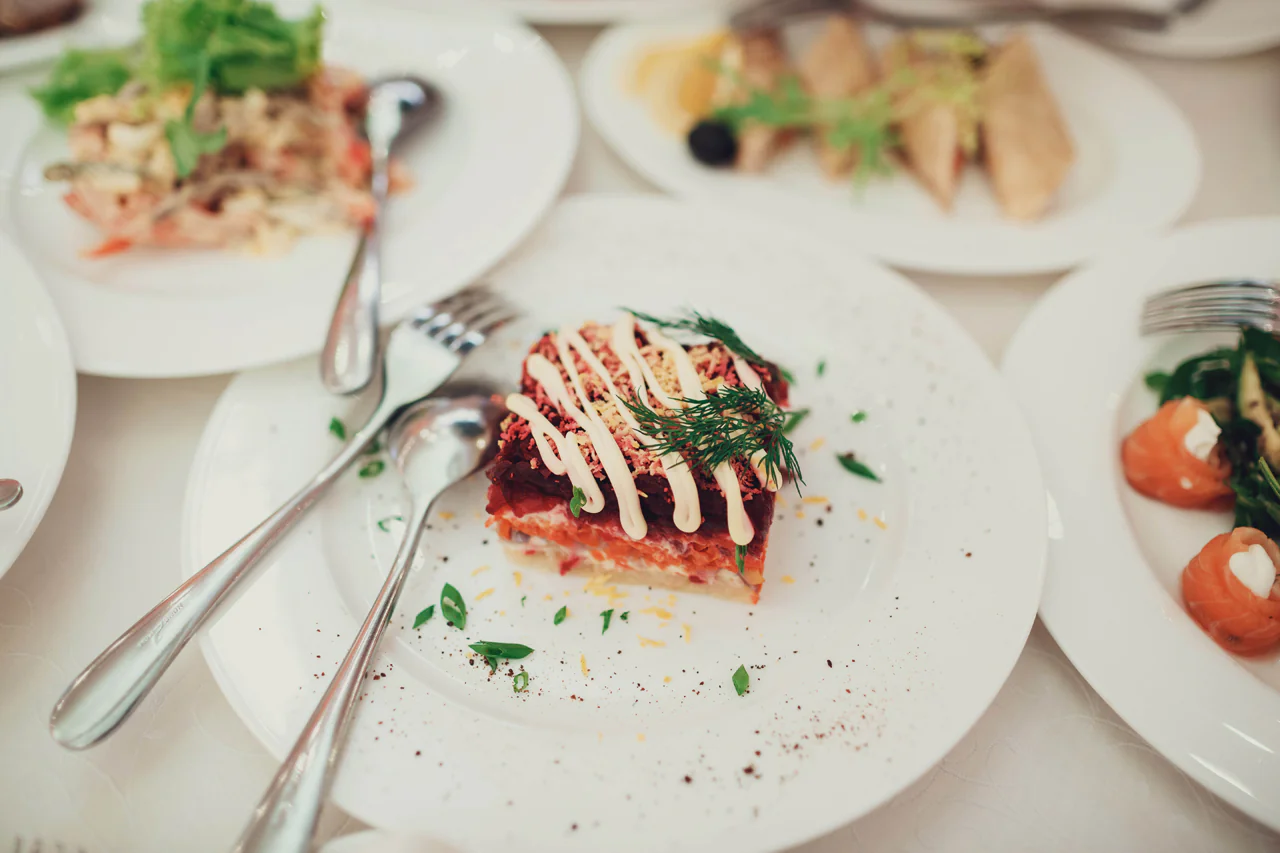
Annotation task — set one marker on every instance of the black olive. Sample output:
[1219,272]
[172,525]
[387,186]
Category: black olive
[713,143]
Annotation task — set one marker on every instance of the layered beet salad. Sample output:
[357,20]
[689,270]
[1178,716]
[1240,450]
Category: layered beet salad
[630,453]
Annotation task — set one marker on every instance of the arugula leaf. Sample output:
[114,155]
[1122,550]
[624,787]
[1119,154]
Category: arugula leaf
[453,607]
[520,681]
[338,428]
[493,652]
[740,557]
[425,616]
[853,466]
[1157,381]
[1204,377]
[80,75]
[577,501]
[741,681]
[608,617]
[560,614]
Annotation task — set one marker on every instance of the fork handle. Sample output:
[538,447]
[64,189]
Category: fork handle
[286,816]
[105,694]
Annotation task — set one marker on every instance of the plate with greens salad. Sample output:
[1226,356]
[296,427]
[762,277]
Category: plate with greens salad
[522,708]
[1161,458]
[193,200]
[998,151]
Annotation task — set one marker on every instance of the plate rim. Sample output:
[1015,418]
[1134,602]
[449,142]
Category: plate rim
[554,173]
[1107,672]
[26,278]
[829,819]
[599,71]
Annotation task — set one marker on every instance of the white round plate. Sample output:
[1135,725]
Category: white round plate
[886,627]
[1137,168]
[1219,29]
[1111,599]
[37,399]
[104,23]
[484,174]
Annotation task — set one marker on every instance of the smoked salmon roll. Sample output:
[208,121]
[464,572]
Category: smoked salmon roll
[1229,588]
[1174,456]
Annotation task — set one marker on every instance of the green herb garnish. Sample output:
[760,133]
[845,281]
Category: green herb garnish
[520,681]
[375,446]
[493,652]
[577,501]
[707,327]
[186,143]
[858,416]
[741,681]
[79,76]
[383,523]
[1157,381]
[740,557]
[794,419]
[733,422]
[338,428]
[522,598]
[607,615]
[624,615]
[372,469]
[853,466]
[453,607]
[560,614]
[822,367]
[424,616]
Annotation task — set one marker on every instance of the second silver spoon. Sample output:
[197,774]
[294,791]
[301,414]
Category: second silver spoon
[434,444]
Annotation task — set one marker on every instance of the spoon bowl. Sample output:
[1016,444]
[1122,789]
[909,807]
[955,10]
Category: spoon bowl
[10,493]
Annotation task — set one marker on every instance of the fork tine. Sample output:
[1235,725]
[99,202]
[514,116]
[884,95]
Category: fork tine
[440,312]
[471,324]
[482,329]
[1243,288]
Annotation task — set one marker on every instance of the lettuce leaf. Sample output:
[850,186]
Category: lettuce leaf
[79,76]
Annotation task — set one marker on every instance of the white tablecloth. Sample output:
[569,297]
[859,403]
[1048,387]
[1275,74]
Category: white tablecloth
[1050,766]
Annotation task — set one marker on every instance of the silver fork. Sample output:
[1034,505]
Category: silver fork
[423,351]
[770,13]
[1213,306]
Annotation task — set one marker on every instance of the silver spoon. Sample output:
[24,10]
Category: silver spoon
[10,493]
[397,107]
[434,444]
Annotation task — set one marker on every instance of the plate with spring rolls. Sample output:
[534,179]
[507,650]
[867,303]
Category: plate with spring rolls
[749,572]
[193,203]
[1161,457]
[1003,151]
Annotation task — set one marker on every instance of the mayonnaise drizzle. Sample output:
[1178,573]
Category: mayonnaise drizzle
[561,454]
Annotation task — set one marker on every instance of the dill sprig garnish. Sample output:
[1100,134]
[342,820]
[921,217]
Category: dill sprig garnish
[732,422]
[708,327]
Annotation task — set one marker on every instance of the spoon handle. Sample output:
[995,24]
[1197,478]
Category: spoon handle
[350,354]
[286,816]
[105,694]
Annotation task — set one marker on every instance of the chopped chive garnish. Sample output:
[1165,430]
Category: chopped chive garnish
[607,615]
[741,681]
[822,367]
[522,598]
[575,503]
[520,682]
[560,614]
[740,557]
[383,523]
[624,614]
[493,652]
[853,466]
[858,416]
[338,428]
[793,419]
[372,468]
[425,616]
[453,607]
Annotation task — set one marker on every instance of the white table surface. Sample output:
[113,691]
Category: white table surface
[1049,767]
